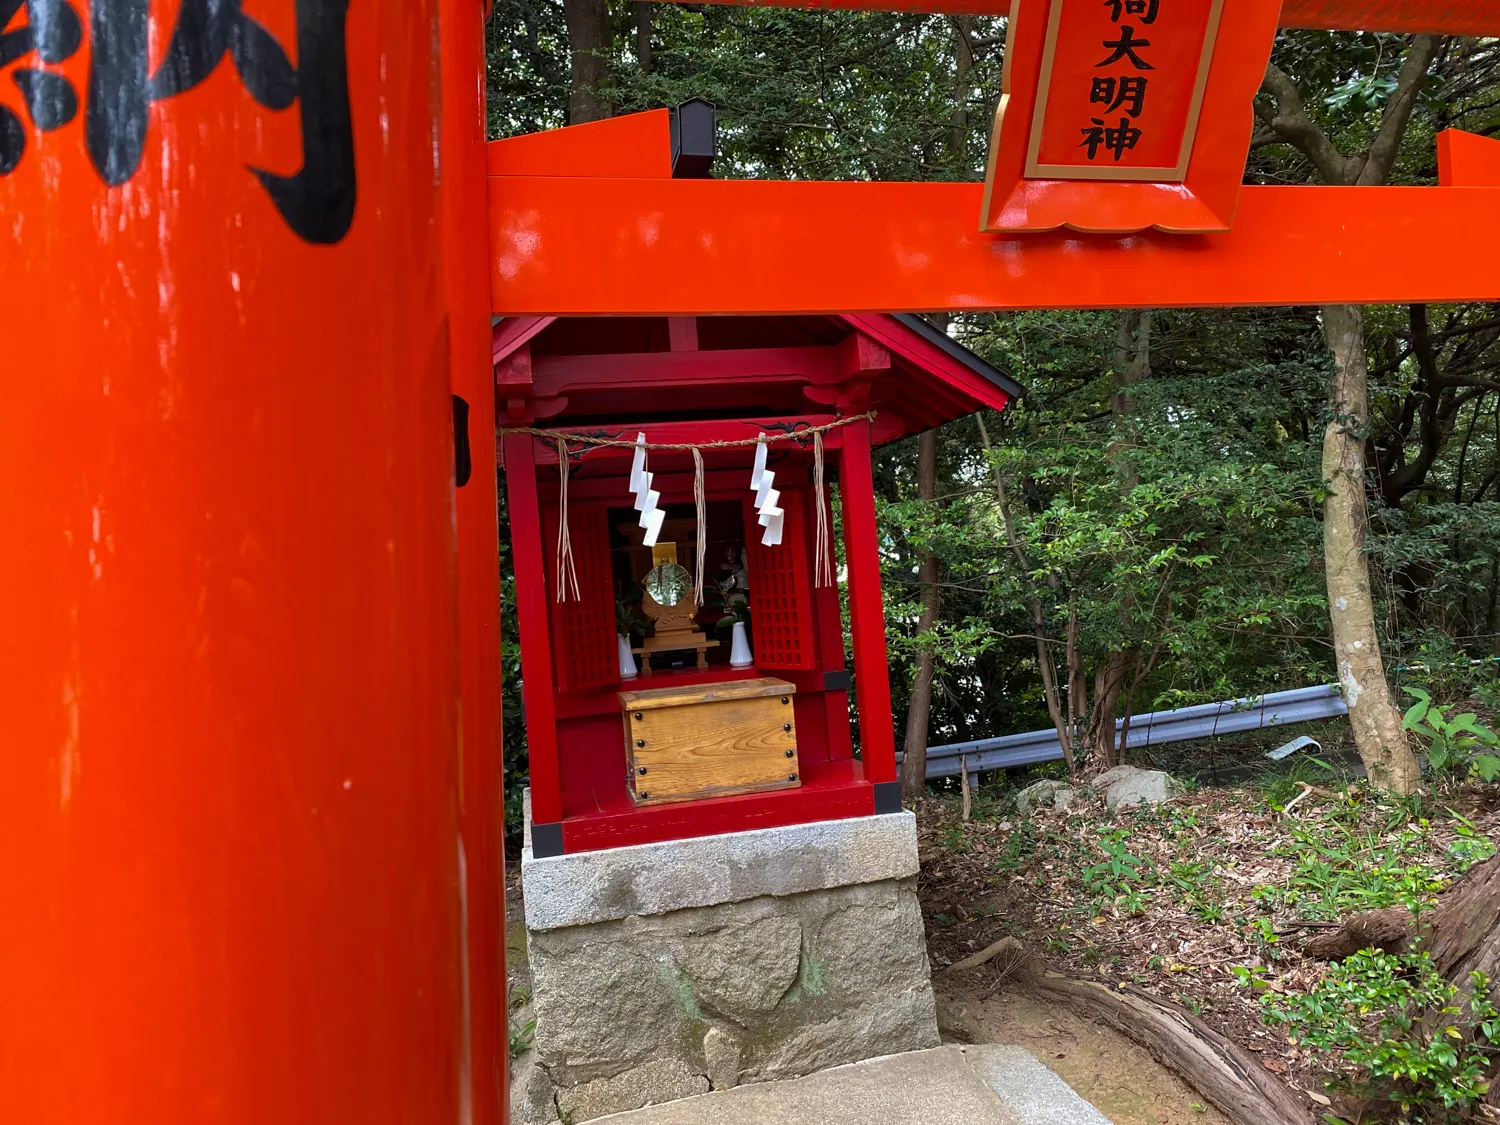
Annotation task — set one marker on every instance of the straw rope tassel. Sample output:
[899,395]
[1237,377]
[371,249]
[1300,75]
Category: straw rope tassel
[823,565]
[567,574]
[700,499]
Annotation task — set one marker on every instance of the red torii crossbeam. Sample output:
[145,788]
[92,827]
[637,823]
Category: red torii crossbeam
[652,244]
[1476,17]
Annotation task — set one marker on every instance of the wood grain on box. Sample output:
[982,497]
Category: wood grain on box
[713,740]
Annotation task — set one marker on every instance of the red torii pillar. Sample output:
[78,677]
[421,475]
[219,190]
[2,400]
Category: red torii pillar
[232,801]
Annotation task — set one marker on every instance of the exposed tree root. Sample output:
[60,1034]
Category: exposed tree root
[1225,1075]
[1462,933]
[1006,945]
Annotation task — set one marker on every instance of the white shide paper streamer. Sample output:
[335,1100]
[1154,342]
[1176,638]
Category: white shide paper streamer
[646,498]
[769,515]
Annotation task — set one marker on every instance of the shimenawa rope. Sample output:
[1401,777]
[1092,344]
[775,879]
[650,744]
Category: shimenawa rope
[567,573]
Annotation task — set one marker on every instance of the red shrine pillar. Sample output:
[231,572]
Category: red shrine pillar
[482,806]
[230,786]
[872,683]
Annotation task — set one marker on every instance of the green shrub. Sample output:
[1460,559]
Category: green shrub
[1461,745]
[1411,1039]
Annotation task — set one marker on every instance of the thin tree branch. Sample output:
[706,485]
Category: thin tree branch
[1398,110]
[1290,121]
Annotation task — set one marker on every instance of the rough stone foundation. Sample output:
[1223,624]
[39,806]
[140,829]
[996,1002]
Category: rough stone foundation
[769,954]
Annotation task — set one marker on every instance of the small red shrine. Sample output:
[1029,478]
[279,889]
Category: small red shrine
[863,380]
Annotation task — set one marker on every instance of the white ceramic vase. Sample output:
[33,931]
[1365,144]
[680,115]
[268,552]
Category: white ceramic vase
[627,658]
[740,655]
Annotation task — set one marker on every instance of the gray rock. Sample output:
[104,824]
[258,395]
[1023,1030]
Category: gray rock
[721,1051]
[1034,1094]
[602,1006]
[531,1094]
[1045,795]
[977,1085]
[744,970]
[1118,773]
[1036,794]
[661,1080]
[891,1024]
[869,947]
[1143,787]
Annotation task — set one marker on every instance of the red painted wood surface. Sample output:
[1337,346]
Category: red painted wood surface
[229,767]
[829,791]
[1045,105]
[482,809]
[670,433]
[800,247]
[570,374]
[585,652]
[828,614]
[954,377]
[1467,160]
[719,484]
[748,368]
[640,148]
[1451,17]
[872,683]
[781,609]
[533,616]
[585,719]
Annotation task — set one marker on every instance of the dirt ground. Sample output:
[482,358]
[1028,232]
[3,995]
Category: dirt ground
[1118,1078]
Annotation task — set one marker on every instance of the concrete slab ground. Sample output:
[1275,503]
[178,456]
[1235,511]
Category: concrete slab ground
[972,1085]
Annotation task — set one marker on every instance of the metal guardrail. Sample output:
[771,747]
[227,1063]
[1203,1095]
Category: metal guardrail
[1233,716]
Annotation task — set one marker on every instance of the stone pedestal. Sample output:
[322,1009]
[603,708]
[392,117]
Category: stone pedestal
[665,970]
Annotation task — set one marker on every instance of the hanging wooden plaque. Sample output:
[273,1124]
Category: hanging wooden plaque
[1122,115]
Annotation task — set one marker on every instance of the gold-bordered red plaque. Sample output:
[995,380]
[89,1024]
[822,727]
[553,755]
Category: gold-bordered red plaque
[1124,115]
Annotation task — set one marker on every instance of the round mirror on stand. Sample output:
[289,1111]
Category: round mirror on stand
[667,598]
[669,584]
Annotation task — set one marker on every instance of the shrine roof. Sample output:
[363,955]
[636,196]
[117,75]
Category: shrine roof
[577,371]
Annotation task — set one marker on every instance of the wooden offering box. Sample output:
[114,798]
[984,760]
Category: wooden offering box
[714,740]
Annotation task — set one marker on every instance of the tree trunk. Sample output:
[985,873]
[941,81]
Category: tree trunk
[914,762]
[590,50]
[1132,365]
[1055,693]
[1224,1074]
[1109,681]
[642,12]
[1373,714]
[958,126]
[1372,711]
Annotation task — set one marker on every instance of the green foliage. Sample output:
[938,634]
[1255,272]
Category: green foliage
[823,95]
[1343,865]
[513,726]
[1282,787]
[1188,545]
[521,1037]
[1120,873]
[1414,1039]
[1457,745]
[630,619]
